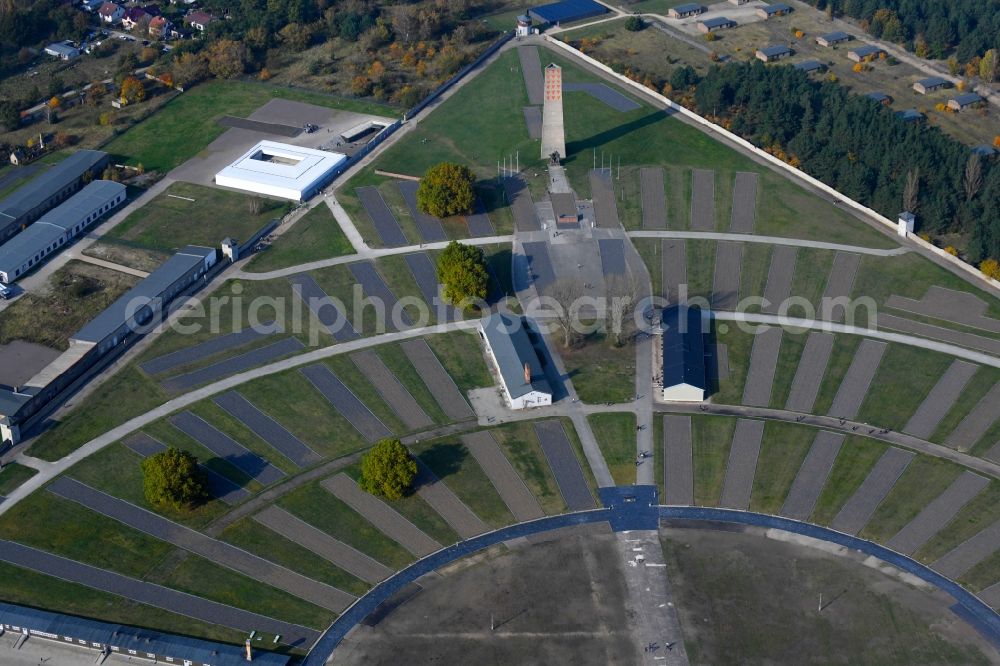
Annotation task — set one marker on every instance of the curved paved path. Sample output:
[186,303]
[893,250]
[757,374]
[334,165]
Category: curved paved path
[770,240]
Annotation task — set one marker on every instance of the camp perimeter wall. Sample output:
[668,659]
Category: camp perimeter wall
[970,270]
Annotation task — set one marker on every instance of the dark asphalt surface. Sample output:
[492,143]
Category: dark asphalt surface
[742,465]
[425,275]
[726,277]
[200,351]
[933,517]
[479,222]
[442,386]
[391,390]
[779,277]
[531,70]
[702,200]
[858,510]
[226,448]
[744,203]
[674,267]
[272,432]
[564,465]
[854,388]
[329,314]
[654,199]
[603,194]
[603,93]
[809,373]
[539,264]
[612,256]
[286,131]
[812,475]
[378,291]
[345,402]
[678,460]
[533,120]
[940,399]
[234,365]
[840,282]
[763,363]
[429,226]
[385,222]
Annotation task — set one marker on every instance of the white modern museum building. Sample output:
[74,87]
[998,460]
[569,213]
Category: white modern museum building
[281,170]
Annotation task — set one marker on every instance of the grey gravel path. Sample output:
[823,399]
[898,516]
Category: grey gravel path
[381,216]
[702,200]
[202,350]
[742,464]
[440,383]
[479,222]
[977,422]
[157,596]
[531,70]
[521,204]
[378,291]
[938,513]
[674,267]
[508,484]
[391,390]
[991,595]
[969,553]
[744,203]
[612,256]
[429,226]
[678,461]
[218,552]
[386,519]
[809,373]
[854,387]
[327,312]
[858,510]
[533,120]
[949,305]
[960,338]
[425,275]
[940,400]
[564,465]
[604,200]
[812,475]
[345,402]
[272,432]
[654,199]
[539,264]
[336,552]
[218,485]
[839,284]
[763,363]
[440,497]
[234,365]
[603,93]
[779,277]
[226,448]
[726,282]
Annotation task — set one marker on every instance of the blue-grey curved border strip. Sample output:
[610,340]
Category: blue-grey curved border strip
[982,616]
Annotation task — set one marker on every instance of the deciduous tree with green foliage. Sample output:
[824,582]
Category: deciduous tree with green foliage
[388,470]
[634,23]
[461,269]
[446,190]
[173,479]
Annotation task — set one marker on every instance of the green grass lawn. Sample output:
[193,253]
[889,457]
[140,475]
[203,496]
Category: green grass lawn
[923,480]
[191,120]
[856,458]
[984,574]
[981,512]
[981,382]
[902,366]
[844,348]
[462,356]
[754,266]
[615,435]
[13,475]
[314,237]
[520,444]
[812,270]
[712,437]
[600,372]
[165,432]
[789,356]
[227,424]
[782,451]
[397,275]
[168,223]
[354,379]
[740,346]
[395,359]
[700,268]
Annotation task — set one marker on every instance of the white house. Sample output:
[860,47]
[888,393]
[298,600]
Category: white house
[111,13]
[509,347]
[684,376]
[63,50]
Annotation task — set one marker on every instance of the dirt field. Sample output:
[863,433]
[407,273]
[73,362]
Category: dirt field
[745,598]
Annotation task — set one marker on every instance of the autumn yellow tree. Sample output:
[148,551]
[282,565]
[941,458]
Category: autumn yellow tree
[227,59]
[132,91]
[990,268]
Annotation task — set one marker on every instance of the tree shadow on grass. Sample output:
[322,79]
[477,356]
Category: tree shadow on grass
[444,459]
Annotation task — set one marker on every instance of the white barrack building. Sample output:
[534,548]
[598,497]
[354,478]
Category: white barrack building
[281,170]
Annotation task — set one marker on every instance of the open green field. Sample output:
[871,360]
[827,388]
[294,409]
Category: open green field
[600,372]
[981,382]
[981,512]
[712,437]
[923,480]
[314,237]
[13,475]
[902,366]
[856,458]
[615,433]
[520,444]
[782,451]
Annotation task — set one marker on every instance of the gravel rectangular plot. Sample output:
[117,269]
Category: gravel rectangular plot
[991,595]
[564,465]
[479,222]
[327,312]
[948,305]
[531,70]
[272,432]
[742,464]
[218,485]
[603,93]
[539,264]
[533,119]
[345,402]
[612,256]
[977,422]
[446,503]
[221,553]
[763,362]
[703,200]
[429,226]
[969,553]
[386,519]
[521,204]
[959,338]
[425,275]
[378,291]
[938,513]
[604,200]
[394,393]
[226,448]
[858,510]
[157,596]
[674,267]
[678,461]
[259,126]
[508,484]
[726,282]
[654,199]
[744,203]
[234,365]
[840,282]
[336,552]
[858,379]
[440,383]
[385,222]
[809,482]
[940,399]
[809,373]
[779,277]
[200,351]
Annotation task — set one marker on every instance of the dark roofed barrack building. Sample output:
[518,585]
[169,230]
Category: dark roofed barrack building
[831,38]
[924,86]
[567,11]
[684,376]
